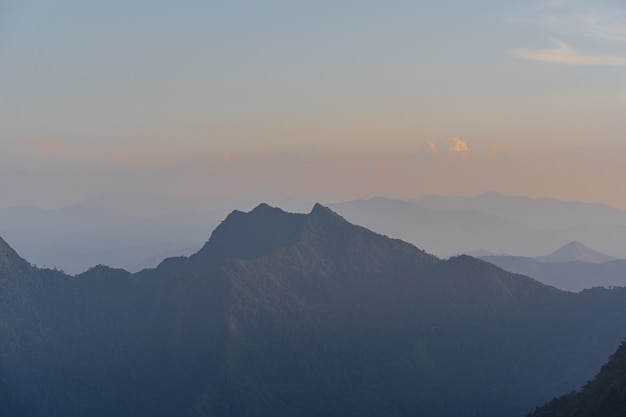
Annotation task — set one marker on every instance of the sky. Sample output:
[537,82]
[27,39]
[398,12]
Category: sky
[317,100]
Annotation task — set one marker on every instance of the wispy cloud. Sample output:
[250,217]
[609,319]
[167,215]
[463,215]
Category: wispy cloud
[607,26]
[610,28]
[602,30]
[565,54]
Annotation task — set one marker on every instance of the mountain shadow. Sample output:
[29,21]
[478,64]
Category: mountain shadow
[296,314]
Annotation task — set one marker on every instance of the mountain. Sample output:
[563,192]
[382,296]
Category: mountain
[575,251]
[135,230]
[119,229]
[124,230]
[573,267]
[460,227]
[445,232]
[569,276]
[296,314]
[536,212]
[604,396]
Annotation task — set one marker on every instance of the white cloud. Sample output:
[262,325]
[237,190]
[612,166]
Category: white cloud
[594,25]
[602,25]
[456,145]
[565,54]
[609,28]
[451,145]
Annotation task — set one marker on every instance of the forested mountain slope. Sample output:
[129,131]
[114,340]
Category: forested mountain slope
[295,314]
[604,396]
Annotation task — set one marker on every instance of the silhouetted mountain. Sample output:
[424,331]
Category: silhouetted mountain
[575,251]
[253,234]
[129,230]
[604,396]
[297,314]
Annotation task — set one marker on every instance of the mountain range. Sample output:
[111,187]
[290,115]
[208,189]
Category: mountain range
[136,231]
[295,314]
[541,213]
[459,227]
[125,230]
[572,267]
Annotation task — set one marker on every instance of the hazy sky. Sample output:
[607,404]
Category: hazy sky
[321,100]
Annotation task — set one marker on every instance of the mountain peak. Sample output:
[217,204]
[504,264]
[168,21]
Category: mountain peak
[265,228]
[322,215]
[319,209]
[575,251]
[264,208]
[8,256]
[247,235]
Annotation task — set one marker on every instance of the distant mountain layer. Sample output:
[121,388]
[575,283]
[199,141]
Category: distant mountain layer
[125,230]
[604,396]
[295,314]
[449,231]
[134,230]
[536,212]
[572,267]
[444,233]
[570,276]
[575,251]
[73,238]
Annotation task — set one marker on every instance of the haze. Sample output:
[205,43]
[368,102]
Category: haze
[327,100]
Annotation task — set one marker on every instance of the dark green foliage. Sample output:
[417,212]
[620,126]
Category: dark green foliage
[604,396]
[299,315]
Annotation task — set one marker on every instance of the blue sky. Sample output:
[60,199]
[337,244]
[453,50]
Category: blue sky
[323,100]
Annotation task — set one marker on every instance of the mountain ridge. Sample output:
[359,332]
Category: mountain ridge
[128,229]
[572,267]
[324,318]
[539,212]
